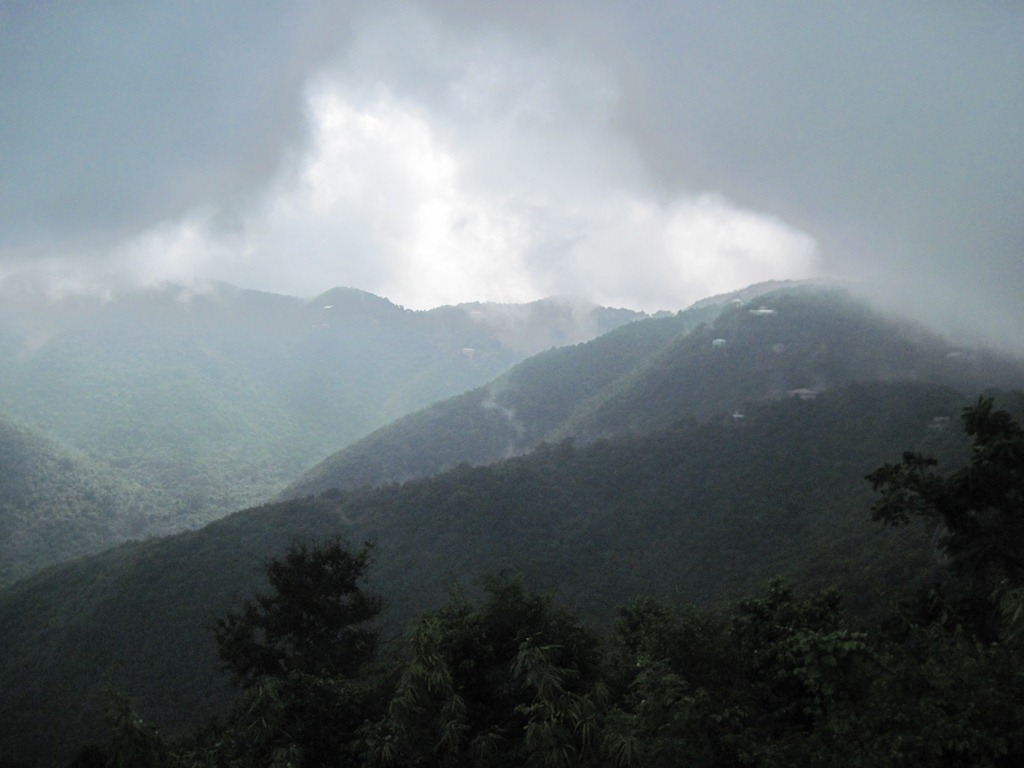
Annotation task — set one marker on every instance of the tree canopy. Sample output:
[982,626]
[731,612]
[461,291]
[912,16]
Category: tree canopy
[316,621]
[785,677]
[979,508]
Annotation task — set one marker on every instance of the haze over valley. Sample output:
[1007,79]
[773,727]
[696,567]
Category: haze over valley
[190,406]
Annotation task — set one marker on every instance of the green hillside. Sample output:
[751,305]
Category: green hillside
[692,513]
[501,419]
[214,400]
[55,504]
[802,338]
[714,358]
[134,617]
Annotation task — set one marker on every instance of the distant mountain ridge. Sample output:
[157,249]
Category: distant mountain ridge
[714,358]
[214,399]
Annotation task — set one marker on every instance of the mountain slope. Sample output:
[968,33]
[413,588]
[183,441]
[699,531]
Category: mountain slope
[55,505]
[501,419]
[801,338]
[714,358]
[134,618]
[217,398]
[661,494]
[694,513]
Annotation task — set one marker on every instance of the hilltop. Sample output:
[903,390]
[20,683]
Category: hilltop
[717,357]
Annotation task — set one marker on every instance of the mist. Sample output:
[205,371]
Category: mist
[455,152]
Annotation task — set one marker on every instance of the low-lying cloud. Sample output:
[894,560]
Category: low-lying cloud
[380,201]
[501,177]
[451,151]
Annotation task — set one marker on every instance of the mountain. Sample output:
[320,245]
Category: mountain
[694,513]
[719,356]
[504,418]
[55,504]
[215,399]
[697,505]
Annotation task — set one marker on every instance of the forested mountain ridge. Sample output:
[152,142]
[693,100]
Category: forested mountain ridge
[660,495]
[696,512]
[490,423]
[214,399]
[716,357]
[55,505]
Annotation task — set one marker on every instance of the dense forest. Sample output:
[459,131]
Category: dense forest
[711,359]
[699,514]
[56,504]
[785,677]
[651,548]
[194,404]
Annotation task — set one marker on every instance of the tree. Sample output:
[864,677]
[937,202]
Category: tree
[511,681]
[302,653]
[980,507]
[317,620]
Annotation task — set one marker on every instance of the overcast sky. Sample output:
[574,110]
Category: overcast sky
[636,154]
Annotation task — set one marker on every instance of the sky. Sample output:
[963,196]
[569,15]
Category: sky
[644,155]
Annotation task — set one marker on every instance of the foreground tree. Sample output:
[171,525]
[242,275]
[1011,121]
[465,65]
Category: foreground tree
[316,621]
[979,508]
[780,679]
[302,653]
[512,681]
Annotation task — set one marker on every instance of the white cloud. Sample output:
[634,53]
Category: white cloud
[379,202]
[508,182]
[481,169]
[383,202]
[651,255]
[509,150]
[172,252]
